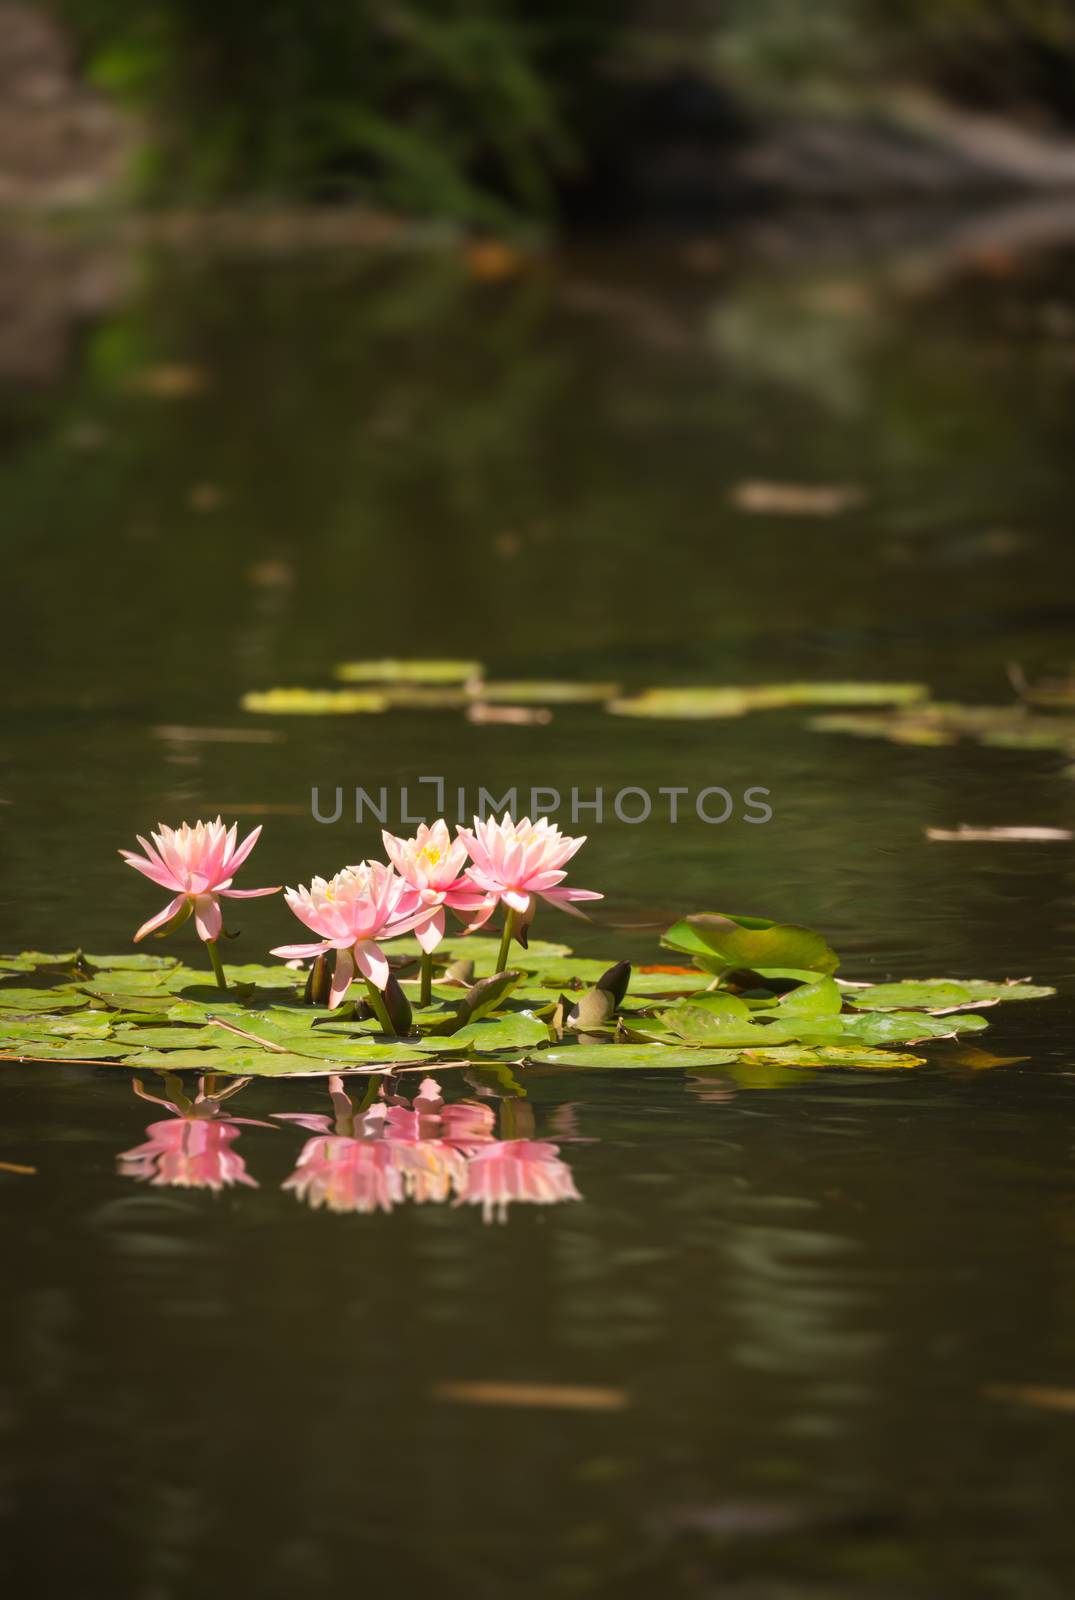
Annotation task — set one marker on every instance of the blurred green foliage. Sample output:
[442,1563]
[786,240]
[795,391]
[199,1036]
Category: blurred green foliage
[461,108]
[483,110]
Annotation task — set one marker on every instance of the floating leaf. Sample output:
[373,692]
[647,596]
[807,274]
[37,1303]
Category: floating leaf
[508,1032]
[940,994]
[312,702]
[56,1049]
[525,692]
[964,834]
[830,1056]
[629,1055]
[690,703]
[944,723]
[822,999]
[389,670]
[718,941]
[33,1000]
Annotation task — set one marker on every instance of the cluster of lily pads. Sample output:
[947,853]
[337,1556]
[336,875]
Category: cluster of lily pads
[756,992]
[384,685]
[902,713]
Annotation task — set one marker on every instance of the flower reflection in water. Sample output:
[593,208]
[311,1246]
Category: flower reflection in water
[394,1149]
[192,1147]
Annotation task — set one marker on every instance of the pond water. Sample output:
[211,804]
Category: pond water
[831,1311]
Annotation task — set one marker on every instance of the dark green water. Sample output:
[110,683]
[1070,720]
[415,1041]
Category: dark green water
[806,1294]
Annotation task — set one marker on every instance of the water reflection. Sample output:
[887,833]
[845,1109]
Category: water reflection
[373,1156]
[392,1149]
[192,1147]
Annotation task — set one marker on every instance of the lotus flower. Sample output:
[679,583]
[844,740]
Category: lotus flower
[352,912]
[191,1149]
[197,864]
[520,863]
[509,1170]
[432,862]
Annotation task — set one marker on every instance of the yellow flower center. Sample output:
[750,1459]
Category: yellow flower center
[430,855]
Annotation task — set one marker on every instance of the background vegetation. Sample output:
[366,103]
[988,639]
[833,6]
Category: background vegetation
[482,109]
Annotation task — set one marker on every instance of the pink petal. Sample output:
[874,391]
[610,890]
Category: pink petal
[156,871]
[371,962]
[244,849]
[430,934]
[299,952]
[516,900]
[172,909]
[207,917]
[247,894]
[342,975]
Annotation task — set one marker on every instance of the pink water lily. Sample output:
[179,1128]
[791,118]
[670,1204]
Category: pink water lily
[197,865]
[353,912]
[519,863]
[433,864]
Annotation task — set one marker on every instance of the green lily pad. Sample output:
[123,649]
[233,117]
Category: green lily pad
[945,723]
[720,941]
[822,999]
[935,994]
[32,1000]
[137,962]
[705,702]
[525,692]
[313,702]
[831,1056]
[55,1049]
[629,1055]
[511,1031]
[389,670]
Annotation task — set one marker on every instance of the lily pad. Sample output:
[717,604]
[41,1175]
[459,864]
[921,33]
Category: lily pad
[552,693]
[629,1055]
[822,999]
[390,670]
[720,941]
[703,702]
[312,702]
[946,722]
[940,994]
[33,1000]
[831,1056]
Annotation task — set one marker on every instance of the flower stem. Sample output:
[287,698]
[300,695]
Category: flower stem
[426,994]
[218,965]
[379,1008]
[505,939]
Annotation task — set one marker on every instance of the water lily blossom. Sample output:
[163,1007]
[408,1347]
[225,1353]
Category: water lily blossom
[519,863]
[433,864]
[197,866]
[352,913]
